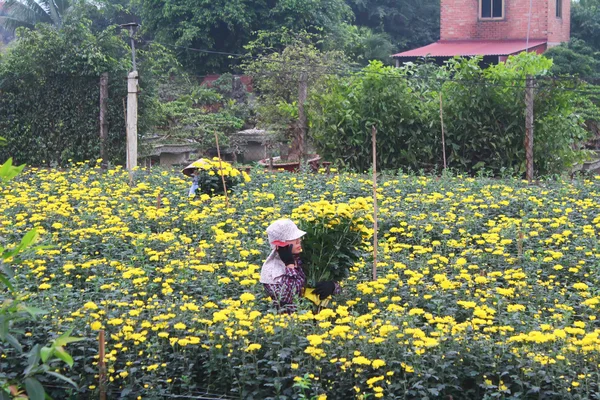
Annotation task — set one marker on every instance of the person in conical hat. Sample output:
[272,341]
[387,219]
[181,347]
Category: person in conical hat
[192,171]
[281,273]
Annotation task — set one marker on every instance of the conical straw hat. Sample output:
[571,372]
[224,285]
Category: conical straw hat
[189,170]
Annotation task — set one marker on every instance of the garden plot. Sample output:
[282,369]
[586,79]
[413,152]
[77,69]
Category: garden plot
[485,289]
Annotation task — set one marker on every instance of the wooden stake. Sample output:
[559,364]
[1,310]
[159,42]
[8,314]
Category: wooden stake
[103,118]
[443,136]
[302,123]
[221,171]
[529,128]
[375,242]
[102,366]
[520,244]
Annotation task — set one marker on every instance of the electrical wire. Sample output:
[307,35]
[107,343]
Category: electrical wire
[348,70]
[197,396]
[528,25]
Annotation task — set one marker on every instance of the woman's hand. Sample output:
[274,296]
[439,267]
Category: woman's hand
[324,289]
[285,254]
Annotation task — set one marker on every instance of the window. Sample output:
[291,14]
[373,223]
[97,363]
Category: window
[558,8]
[492,9]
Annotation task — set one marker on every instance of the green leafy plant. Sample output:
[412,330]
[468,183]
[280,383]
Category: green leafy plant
[304,384]
[342,116]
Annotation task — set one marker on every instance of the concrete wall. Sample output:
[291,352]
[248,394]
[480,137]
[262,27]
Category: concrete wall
[167,159]
[253,151]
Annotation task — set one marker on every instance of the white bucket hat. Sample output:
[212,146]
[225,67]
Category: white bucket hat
[284,229]
[273,268]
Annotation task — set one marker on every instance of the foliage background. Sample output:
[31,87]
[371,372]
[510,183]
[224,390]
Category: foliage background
[49,85]
[484,121]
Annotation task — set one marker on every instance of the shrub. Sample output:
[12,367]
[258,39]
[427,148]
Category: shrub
[484,117]
[343,113]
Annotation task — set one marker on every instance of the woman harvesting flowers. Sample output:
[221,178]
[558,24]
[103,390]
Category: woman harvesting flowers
[282,273]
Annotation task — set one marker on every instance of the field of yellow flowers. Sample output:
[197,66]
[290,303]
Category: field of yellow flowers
[486,288]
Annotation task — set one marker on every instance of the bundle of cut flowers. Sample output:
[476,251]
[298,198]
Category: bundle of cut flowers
[334,237]
[209,176]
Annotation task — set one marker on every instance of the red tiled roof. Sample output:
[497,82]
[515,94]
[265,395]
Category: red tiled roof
[450,48]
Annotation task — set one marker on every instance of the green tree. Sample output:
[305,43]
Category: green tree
[6,35]
[106,13]
[228,25]
[361,44]
[483,115]
[585,22]
[343,114]
[574,58]
[276,78]
[577,58]
[409,23]
[28,13]
[49,79]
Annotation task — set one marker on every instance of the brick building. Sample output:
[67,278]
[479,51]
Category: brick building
[496,29]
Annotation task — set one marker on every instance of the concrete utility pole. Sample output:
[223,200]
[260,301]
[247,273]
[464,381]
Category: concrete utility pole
[132,114]
[132,117]
[132,26]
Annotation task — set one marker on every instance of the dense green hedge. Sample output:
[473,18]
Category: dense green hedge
[50,92]
[56,118]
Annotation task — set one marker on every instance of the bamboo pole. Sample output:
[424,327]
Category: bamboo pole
[103,118]
[221,171]
[375,241]
[529,98]
[102,366]
[443,136]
